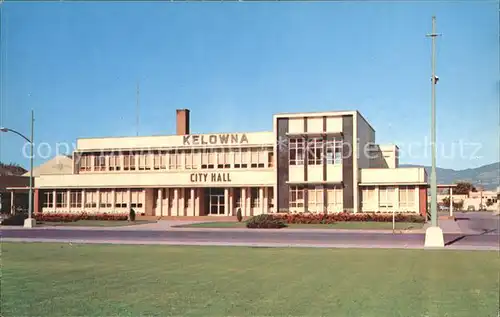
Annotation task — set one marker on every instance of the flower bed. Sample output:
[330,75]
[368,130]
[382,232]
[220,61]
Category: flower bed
[308,218]
[54,217]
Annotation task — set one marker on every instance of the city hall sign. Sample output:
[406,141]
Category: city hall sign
[215,139]
[210,177]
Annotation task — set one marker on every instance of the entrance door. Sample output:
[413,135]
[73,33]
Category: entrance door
[216,201]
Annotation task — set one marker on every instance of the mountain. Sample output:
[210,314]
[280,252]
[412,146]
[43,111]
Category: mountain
[486,175]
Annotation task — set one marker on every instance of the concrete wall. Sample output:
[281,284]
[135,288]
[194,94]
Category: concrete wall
[410,175]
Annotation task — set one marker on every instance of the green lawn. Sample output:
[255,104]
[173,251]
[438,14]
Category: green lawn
[94,223]
[338,225]
[106,280]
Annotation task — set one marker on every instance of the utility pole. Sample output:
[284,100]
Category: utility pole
[434,234]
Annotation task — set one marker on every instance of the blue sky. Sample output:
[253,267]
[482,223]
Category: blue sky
[235,64]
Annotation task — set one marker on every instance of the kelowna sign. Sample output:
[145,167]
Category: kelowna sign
[215,139]
[210,177]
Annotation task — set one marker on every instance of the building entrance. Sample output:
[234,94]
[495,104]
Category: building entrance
[215,201]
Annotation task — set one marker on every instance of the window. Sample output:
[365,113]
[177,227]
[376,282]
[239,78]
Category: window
[49,200]
[156,161]
[114,162]
[207,158]
[334,199]
[188,159]
[174,160]
[105,198]
[367,196]
[406,196]
[245,157]
[386,196]
[222,157]
[333,151]
[85,163]
[129,162]
[120,198]
[137,198]
[315,199]
[296,197]
[90,199]
[237,157]
[270,159]
[254,157]
[144,162]
[315,151]
[296,151]
[75,199]
[254,197]
[196,159]
[100,163]
[270,199]
[61,197]
[163,160]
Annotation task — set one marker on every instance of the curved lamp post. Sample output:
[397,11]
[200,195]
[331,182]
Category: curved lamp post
[29,223]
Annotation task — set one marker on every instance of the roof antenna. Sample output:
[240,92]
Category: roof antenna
[137,110]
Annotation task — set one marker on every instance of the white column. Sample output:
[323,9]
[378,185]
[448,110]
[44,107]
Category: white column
[159,203]
[54,200]
[98,205]
[377,199]
[198,192]
[226,202]
[113,199]
[248,201]
[416,204]
[396,202]
[182,202]
[128,200]
[175,204]
[244,202]
[231,201]
[12,207]
[83,199]
[68,197]
[261,199]
[192,203]
[451,201]
[265,208]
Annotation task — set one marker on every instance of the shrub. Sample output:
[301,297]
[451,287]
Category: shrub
[308,218]
[131,215]
[238,215]
[67,217]
[265,221]
[15,220]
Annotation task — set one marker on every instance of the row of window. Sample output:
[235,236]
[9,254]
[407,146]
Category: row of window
[315,198]
[314,150]
[187,159]
[387,196]
[93,198]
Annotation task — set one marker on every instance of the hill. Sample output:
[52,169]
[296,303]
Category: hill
[486,175]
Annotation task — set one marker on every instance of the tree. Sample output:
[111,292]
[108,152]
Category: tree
[446,201]
[458,205]
[463,188]
[489,202]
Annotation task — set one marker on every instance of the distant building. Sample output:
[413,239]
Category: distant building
[309,162]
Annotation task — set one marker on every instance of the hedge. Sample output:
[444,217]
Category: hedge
[265,221]
[67,217]
[308,218]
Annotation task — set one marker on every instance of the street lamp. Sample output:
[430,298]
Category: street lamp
[28,223]
[433,235]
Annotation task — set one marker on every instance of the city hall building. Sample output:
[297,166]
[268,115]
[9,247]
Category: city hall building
[310,162]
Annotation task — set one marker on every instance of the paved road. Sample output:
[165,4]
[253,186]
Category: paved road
[262,238]
[478,222]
